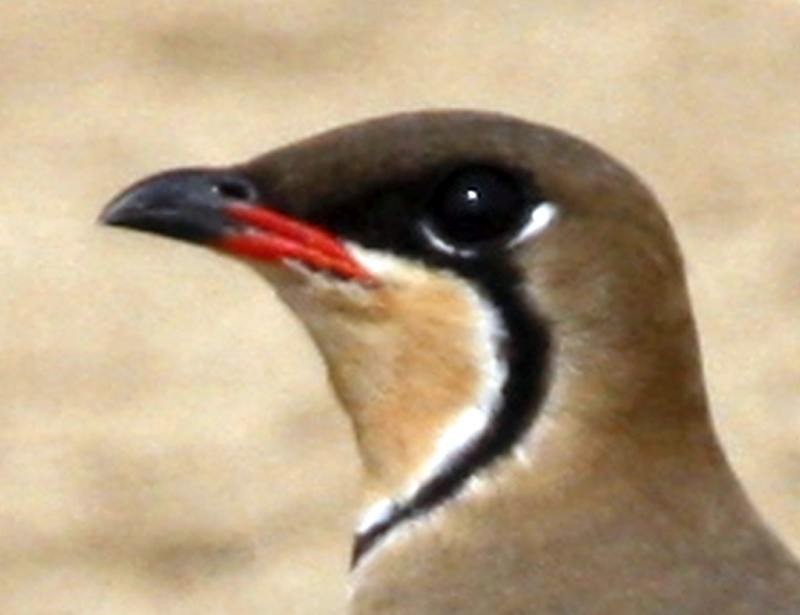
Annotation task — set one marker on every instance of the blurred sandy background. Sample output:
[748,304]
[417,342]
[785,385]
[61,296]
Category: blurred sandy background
[167,440]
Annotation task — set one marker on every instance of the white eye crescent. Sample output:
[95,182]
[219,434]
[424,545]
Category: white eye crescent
[445,246]
[542,216]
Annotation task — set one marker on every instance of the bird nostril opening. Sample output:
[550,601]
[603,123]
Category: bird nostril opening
[234,189]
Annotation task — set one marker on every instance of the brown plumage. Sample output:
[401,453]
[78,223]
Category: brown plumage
[529,405]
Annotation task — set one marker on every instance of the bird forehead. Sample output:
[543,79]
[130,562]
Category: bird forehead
[406,152]
[394,151]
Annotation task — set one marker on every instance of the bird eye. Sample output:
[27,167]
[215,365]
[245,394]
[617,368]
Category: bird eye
[475,206]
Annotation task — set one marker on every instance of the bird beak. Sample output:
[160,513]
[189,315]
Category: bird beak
[221,210]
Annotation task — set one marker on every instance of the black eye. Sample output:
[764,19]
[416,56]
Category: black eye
[477,205]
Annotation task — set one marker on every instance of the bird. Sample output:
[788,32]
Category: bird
[504,316]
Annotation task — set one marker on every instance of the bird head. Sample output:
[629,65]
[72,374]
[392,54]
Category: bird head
[467,276]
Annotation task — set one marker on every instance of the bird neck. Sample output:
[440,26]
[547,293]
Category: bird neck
[549,531]
[619,449]
[416,365]
[439,378]
[624,457]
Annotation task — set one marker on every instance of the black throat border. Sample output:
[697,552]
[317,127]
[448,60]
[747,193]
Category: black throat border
[526,351]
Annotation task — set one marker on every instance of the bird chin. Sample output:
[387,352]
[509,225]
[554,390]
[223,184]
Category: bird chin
[306,289]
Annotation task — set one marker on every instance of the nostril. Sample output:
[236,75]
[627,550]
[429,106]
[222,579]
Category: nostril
[234,189]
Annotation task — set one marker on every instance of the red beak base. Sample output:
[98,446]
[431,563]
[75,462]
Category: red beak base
[267,235]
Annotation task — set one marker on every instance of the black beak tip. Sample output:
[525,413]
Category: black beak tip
[115,213]
[178,204]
